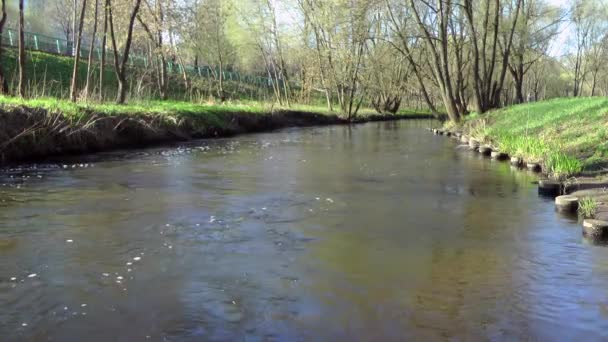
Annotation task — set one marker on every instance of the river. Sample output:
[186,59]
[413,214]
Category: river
[379,231]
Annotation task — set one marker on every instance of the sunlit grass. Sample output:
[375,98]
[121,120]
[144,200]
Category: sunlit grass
[174,107]
[567,135]
[587,208]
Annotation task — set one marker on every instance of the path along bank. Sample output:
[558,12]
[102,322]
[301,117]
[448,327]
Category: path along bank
[565,140]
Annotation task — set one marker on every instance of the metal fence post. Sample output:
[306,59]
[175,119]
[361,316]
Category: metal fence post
[58,47]
[10,37]
[36,42]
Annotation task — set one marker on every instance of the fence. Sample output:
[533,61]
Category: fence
[39,42]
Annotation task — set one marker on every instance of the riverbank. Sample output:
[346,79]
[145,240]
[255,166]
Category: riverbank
[565,139]
[40,128]
[565,136]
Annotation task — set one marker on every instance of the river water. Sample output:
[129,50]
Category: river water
[379,231]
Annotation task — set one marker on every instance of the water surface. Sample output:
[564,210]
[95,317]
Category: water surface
[373,232]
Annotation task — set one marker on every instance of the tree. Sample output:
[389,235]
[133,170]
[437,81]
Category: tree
[104,43]
[538,26]
[74,86]
[399,19]
[486,42]
[91,51]
[21,86]
[433,24]
[3,82]
[342,31]
[157,14]
[120,66]
[211,41]
[261,20]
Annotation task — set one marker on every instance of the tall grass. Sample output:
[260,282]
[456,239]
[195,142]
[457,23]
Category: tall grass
[566,134]
[587,208]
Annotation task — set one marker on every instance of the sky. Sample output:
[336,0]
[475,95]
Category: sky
[562,42]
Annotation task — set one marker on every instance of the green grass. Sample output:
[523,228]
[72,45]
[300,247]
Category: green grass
[50,75]
[48,82]
[587,207]
[137,107]
[170,108]
[566,134]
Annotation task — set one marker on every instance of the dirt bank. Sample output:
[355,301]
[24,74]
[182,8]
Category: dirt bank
[28,134]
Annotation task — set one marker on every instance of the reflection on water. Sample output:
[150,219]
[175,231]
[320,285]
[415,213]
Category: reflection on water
[373,232]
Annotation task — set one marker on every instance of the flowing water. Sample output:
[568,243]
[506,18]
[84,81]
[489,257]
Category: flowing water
[373,232]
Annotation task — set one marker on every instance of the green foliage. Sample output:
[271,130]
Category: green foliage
[587,207]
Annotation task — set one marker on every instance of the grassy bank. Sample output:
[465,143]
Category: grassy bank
[565,135]
[38,128]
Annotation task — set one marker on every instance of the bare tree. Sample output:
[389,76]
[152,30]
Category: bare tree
[435,32]
[398,20]
[538,26]
[104,43]
[21,86]
[158,15]
[3,82]
[74,86]
[91,51]
[120,66]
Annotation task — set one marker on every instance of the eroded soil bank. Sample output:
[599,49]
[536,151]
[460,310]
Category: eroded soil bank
[27,134]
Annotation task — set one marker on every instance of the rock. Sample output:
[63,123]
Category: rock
[567,203]
[496,155]
[464,139]
[595,229]
[485,150]
[473,144]
[601,213]
[515,161]
[597,194]
[550,188]
[458,134]
[462,147]
[440,132]
[578,184]
[535,167]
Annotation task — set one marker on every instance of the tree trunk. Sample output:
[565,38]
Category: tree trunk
[74,28]
[21,86]
[104,42]
[157,39]
[519,91]
[3,81]
[120,67]
[74,86]
[91,49]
